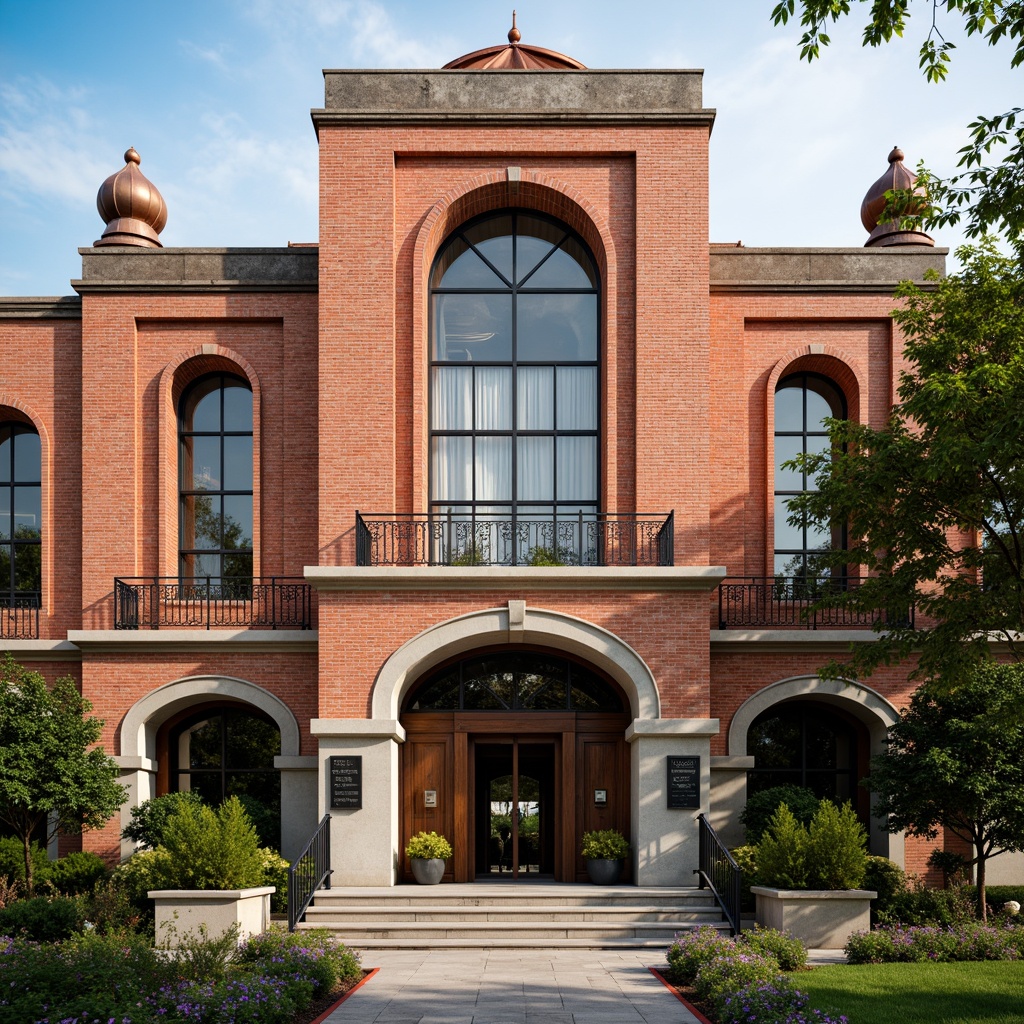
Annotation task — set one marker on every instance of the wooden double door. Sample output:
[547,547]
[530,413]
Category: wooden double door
[514,791]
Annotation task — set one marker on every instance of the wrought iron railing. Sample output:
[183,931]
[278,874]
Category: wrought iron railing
[269,602]
[789,602]
[19,616]
[310,871]
[576,539]
[719,872]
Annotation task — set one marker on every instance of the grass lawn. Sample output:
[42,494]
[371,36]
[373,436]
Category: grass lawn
[960,993]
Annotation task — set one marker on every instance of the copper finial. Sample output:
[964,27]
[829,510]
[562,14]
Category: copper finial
[131,157]
[514,35]
[131,206]
[896,154]
[876,206]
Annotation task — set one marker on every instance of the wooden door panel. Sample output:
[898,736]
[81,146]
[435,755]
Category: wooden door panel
[428,764]
[601,763]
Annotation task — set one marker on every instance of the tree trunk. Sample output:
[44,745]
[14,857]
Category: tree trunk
[26,840]
[982,905]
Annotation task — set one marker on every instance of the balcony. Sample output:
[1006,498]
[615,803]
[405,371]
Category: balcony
[575,539]
[785,602]
[19,616]
[174,602]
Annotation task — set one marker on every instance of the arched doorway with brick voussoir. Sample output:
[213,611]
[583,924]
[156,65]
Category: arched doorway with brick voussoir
[513,711]
[219,736]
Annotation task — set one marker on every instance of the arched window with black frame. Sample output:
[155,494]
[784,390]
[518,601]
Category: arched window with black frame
[514,393]
[21,519]
[803,404]
[216,481]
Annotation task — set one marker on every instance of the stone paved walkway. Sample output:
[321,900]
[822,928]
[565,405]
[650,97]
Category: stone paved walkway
[530,986]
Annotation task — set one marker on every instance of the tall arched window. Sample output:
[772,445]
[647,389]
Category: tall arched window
[215,479]
[803,402]
[514,388]
[21,519]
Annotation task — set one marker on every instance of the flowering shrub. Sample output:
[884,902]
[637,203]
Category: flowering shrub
[732,970]
[691,950]
[964,942]
[789,953]
[313,954]
[771,1002]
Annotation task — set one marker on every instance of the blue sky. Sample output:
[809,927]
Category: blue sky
[215,95]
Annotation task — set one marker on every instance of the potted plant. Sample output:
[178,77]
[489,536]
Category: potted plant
[809,877]
[427,852]
[605,852]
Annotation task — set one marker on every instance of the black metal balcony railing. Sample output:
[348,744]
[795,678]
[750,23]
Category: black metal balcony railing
[576,539]
[19,616]
[787,601]
[270,602]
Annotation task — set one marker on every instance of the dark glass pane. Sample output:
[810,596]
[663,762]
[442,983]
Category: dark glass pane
[200,521]
[237,463]
[26,456]
[6,448]
[237,407]
[202,409]
[468,270]
[237,565]
[786,537]
[536,238]
[775,742]
[28,518]
[542,683]
[493,237]
[260,795]
[237,522]
[28,575]
[251,742]
[818,410]
[472,328]
[205,468]
[204,744]
[6,522]
[203,566]
[787,448]
[441,694]
[559,270]
[209,785]
[479,697]
[556,328]
[5,568]
[789,409]
[820,744]
[590,693]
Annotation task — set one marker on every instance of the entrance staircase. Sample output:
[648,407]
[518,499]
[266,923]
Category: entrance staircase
[511,915]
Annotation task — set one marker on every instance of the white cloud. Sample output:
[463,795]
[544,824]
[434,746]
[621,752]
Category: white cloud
[217,56]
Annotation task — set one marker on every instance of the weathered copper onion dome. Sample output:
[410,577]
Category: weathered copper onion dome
[889,232]
[514,57]
[131,206]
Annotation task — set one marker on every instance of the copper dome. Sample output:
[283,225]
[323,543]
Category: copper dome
[131,206]
[889,232]
[514,57]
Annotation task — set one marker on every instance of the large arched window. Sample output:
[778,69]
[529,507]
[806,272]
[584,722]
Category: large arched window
[803,402]
[215,479]
[21,529]
[514,390]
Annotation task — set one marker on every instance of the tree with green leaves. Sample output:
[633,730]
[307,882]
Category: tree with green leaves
[991,195]
[955,760]
[934,501]
[53,779]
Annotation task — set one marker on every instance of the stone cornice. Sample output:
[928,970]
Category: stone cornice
[58,307]
[165,641]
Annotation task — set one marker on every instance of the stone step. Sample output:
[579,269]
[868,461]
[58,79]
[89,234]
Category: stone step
[325,911]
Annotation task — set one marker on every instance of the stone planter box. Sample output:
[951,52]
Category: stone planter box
[180,912]
[820,918]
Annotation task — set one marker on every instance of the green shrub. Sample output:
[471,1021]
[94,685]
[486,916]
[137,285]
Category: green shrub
[428,846]
[789,953]
[782,852]
[692,950]
[760,808]
[275,873]
[206,849]
[12,860]
[109,909]
[136,876]
[919,905]
[149,819]
[746,861]
[77,873]
[42,918]
[888,879]
[733,969]
[277,952]
[605,844]
[265,818]
[836,849]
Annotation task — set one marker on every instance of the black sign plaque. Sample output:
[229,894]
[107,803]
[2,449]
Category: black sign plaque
[683,782]
[347,783]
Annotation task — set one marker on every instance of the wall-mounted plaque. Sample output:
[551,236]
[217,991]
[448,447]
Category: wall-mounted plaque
[683,782]
[346,774]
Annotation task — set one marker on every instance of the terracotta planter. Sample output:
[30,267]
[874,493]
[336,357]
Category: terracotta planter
[427,872]
[181,912]
[604,872]
[820,918]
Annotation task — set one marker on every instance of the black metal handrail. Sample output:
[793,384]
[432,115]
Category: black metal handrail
[310,871]
[19,616]
[267,602]
[719,872]
[789,601]
[486,538]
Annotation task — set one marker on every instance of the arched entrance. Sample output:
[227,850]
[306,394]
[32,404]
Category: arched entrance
[514,753]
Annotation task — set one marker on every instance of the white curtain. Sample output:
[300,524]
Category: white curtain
[577,469]
[452,398]
[535,398]
[493,398]
[493,469]
[535,464]
[577,398]
[452,468]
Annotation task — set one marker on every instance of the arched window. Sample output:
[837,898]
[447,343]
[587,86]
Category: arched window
[803,402]
[805,744]
[514,390]
[215,479]
[21,519]
[229,751]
